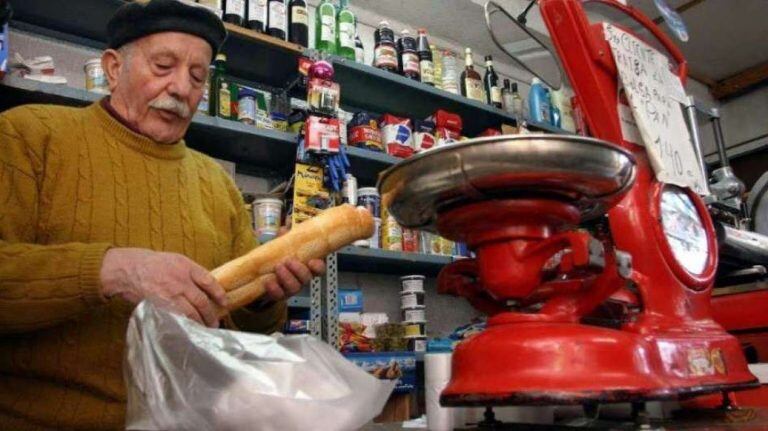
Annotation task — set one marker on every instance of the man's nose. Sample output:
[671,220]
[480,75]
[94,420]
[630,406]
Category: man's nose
[181,85]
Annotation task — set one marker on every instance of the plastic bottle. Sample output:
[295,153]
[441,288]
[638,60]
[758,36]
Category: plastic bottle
[325,27]
[426,64]
[538,102]
[408,59]
[554,111]
[563,104]
[346,28]
[385,53]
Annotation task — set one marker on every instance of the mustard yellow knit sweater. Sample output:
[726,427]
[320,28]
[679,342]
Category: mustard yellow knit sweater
[74,182]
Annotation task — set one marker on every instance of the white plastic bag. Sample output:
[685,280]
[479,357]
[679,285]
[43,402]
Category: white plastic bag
[181,375]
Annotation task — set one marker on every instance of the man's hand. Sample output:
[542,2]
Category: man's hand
[292,275]
[134,274]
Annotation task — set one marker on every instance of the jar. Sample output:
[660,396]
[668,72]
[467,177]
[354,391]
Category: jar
[267,214]
[385,52]
[246,106]
[95,79]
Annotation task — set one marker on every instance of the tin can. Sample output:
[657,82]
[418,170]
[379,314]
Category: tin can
[349,190]
[369,197]
[391,234]
[446,247]
[410,240]
[375,240]
[412,283]
[417,344]
[267,213]
[415,329]
[95,79]
[415,314]
[411,300]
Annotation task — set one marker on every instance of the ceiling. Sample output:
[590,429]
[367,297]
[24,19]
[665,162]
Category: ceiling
[726,36]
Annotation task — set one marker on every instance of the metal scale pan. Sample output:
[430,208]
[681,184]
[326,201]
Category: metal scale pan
[591,173]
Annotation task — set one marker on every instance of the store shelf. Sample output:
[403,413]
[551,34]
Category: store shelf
[299,302]
[367,88]
[367,164]
[229,140]
[250,55]
[544,127]
[359,259]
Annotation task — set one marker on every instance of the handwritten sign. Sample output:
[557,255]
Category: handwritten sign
[655,94]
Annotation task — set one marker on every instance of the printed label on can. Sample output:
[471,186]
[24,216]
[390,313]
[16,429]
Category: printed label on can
[414,315]
[418,344]
[413,285]
[246,109]
[415,330]
[409,301]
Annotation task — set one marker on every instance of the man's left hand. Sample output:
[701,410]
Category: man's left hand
[292,275]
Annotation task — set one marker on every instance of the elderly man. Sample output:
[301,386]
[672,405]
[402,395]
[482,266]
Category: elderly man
[103,206]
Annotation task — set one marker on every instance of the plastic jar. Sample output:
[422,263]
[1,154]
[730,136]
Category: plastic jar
[267,213]
[95,79]
[246,106]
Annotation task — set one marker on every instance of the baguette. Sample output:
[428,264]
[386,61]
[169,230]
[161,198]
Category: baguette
[314,239]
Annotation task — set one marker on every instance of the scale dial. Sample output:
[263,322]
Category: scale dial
[684,230]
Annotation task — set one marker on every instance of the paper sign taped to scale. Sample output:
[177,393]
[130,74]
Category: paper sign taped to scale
[654,98]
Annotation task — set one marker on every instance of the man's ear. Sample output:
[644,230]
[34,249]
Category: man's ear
[112,61]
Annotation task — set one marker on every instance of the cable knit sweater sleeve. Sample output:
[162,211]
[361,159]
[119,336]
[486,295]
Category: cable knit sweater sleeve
[40,285]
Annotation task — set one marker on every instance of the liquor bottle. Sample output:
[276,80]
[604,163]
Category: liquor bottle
[408,59]
[346,27]
[471,83]
[359,50]
[234,11]
[325,27]
[491,84]
[277,21]
[298,30]
[257,15]
[426,65]
[220,96]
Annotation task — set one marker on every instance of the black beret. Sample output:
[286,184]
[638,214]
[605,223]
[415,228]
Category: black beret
[135,20]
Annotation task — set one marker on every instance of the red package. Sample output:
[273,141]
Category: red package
[322,135]
[410,240]
[447,120]
[397,135]
[446,136]
[490,132]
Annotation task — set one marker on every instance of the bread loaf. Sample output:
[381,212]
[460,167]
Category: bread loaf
[313,239]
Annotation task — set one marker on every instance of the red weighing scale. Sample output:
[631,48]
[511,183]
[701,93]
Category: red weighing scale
[565,229]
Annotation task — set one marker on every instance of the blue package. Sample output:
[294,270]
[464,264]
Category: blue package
[3,49]
[400,366]
[350,301]
[538,102]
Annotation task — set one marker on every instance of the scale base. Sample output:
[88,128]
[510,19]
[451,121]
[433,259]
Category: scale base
[535,363]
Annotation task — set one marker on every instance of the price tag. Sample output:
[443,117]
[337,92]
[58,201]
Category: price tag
[655,94]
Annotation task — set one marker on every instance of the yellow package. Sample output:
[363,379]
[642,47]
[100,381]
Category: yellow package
[310,197]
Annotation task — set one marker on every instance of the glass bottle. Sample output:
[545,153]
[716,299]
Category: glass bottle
[450,72]
[221,96]
[359,50]
[325,27]
[471,83]
[517,105]
[257,15]
[426,65]
[385,53]
[298,22]
[491,84]
[437,60]
[408,59]
[234,11]
[346,28]
[277,21]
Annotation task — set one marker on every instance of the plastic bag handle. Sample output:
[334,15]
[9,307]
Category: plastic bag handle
[677,55]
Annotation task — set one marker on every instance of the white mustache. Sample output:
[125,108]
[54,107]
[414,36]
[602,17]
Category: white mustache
[171,104]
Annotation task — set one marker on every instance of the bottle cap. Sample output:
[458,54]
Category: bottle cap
[535,80]
[514,87]
[221,57]
[468,51]
[422,31]
[488,58]
[405,33]
[506,83]
[384,23]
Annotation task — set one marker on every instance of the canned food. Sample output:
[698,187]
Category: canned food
[410,240]
[417,344]
[246,106]
[267,213]
[349,191]
[95,79]
[416,314]
[375,240]
[415,329]
[369,197]
[446,247]
[412,283]
[411,300]
[391,234]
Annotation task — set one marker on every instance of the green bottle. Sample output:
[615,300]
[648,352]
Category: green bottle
[346,28]
[219,89]
[325,27]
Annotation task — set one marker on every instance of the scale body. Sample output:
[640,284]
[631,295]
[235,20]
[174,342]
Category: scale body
[528,206]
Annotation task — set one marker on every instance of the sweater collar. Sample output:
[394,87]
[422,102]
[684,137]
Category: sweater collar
[116,126]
